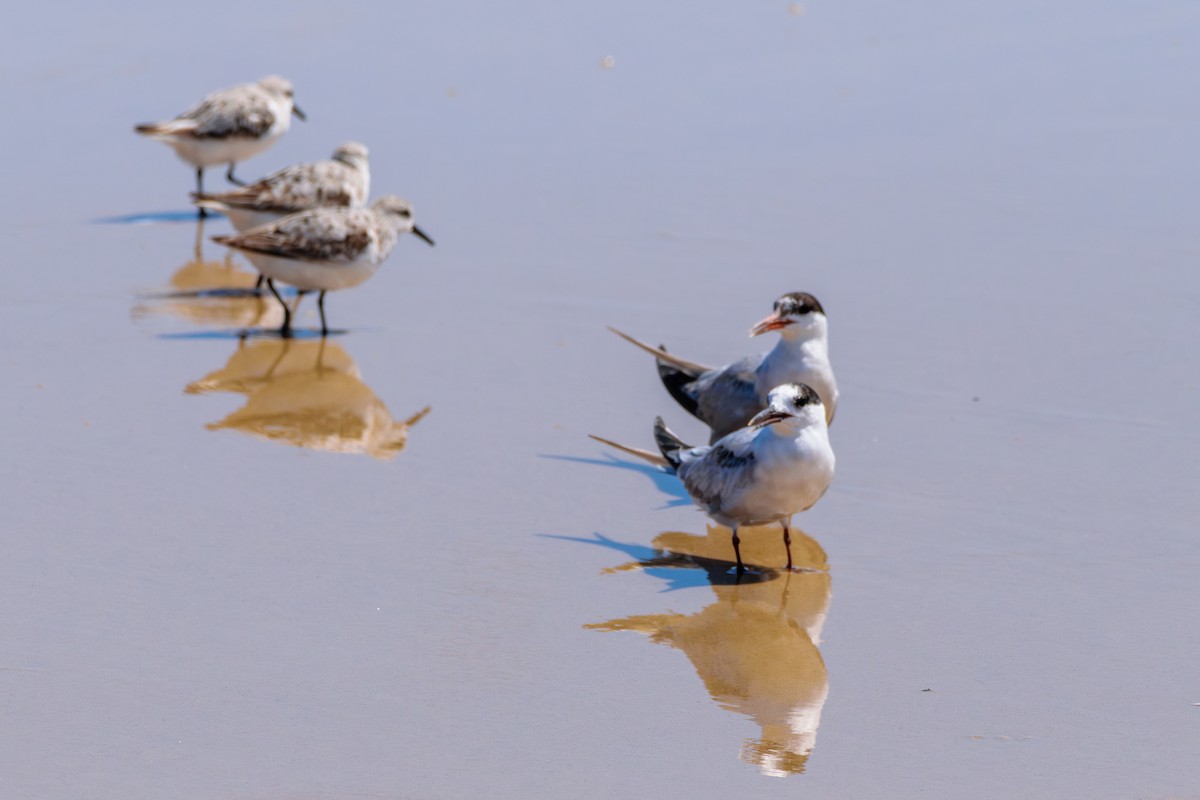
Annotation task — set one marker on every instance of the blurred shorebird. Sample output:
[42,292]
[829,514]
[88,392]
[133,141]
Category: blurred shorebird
[779,465]
[725,398]
[344,180]
[325,249]
[228,126]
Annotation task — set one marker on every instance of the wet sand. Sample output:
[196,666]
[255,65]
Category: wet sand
[240,569]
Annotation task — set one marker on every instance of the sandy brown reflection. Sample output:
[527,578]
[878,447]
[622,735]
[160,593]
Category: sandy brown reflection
[307,394]
[217,293]
[755,647]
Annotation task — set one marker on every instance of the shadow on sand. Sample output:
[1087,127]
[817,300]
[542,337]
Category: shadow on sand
[152,217]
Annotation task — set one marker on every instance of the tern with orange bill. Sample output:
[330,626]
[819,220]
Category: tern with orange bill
[726,398]
[777,466]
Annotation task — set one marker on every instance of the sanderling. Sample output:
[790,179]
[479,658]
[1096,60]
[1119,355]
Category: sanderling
[228,126]
[725,398]
[344,180]
[325,248]
[777,466]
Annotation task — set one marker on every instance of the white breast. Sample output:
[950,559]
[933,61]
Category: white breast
[313,276]
[790,475]
[808,363]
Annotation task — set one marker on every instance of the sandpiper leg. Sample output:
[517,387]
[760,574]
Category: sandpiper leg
[203,212]
[321,306]
[286,330]
[787,541]
[737,551]
[258,284]
[229,176]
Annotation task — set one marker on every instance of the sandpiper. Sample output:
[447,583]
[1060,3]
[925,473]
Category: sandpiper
[344,180]
[228,126]
[325,249]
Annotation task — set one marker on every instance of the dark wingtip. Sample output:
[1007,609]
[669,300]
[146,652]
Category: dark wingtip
[676,381]
[668,443]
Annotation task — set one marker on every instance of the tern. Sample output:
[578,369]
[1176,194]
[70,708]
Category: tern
[325,249]
[228,126]
[344,180]
[777,466]
[726,398]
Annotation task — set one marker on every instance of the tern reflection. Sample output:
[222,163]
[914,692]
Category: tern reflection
[755,647]
[217,293]
[307,394]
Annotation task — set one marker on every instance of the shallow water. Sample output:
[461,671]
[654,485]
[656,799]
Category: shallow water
[238,568]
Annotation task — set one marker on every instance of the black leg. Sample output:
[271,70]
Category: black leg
[286,330]
[737,552]
[321,306]
[258,284]
[229,176]
[203,212]
[787,541]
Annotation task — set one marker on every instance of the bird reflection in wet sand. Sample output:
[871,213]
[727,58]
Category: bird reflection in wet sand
[210,292]
[755,647]
[308,394]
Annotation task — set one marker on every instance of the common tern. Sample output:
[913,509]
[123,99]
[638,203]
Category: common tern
[778,465]
[725,398]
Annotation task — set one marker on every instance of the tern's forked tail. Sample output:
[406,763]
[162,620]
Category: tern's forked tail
[645,455]
[690,367]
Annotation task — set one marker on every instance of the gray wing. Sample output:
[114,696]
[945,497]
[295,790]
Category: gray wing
[235,112]
[323,234]
[727,398]
[715,476]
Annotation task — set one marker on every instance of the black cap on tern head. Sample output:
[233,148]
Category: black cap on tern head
[804,395]
[790,309]
[784,402]
[798,303]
